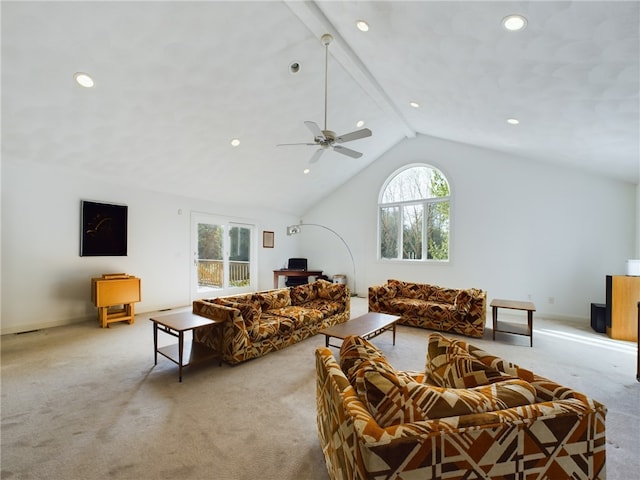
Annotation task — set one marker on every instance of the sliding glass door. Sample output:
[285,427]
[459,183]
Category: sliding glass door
[223,256]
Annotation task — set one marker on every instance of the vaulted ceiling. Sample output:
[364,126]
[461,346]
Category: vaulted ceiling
[175,82]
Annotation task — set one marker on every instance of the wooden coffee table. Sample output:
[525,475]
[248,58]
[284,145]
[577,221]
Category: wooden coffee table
[366,326]
[511,327]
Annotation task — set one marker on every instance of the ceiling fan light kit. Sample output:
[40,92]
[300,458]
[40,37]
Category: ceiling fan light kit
[326,138]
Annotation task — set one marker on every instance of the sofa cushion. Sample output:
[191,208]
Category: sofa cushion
[329,291]
[386,291]
[252,299]
[275,299]
[449,364]
[417,291]
[304,293]
[412,307]
[298,314]
[444,295]
[393,399]
[326,307]
[355,350]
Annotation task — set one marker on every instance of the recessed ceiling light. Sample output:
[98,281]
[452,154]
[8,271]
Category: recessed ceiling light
[513,23]
[360,123]
[306,170]
[362,26]
[83,79]
[513,121]
[414,104]
[235,142]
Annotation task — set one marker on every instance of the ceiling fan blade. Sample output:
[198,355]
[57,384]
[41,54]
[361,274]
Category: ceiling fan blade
[316,156]
[289,144]
[347,151]
[348,137]
[315,129]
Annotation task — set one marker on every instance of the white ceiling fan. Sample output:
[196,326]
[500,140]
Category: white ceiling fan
[326,138]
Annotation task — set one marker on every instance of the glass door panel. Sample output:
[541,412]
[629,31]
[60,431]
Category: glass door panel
[222,257]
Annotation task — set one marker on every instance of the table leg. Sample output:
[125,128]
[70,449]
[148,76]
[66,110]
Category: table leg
[155,343]
[326,341]
[494,315]
[394,333]
[180,352]
[275,280]
[530,325]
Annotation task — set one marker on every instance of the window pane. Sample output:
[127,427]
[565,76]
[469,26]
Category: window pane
[438,185]
[210,271]
[438,231]
[410,184]
[389,223]
[240,247]
[412,232]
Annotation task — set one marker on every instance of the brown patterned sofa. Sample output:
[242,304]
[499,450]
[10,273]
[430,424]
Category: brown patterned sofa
[469,415]
[258,323]
[462,311]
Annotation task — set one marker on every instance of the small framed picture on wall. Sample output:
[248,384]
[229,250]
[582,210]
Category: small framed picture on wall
[267,239]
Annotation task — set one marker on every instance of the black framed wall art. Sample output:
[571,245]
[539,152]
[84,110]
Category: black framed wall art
[103,229]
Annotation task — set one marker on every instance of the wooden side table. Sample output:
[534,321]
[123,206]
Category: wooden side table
[510,327]
[183,355]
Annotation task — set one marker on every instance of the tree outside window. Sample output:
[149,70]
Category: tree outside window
[414,215]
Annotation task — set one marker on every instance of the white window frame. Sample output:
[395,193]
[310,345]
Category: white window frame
[424,202]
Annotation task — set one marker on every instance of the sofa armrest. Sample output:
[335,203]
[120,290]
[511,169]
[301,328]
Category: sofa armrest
[477,306]
[234,330]
[377,295]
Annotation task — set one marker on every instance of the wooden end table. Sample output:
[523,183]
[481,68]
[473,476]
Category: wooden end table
[366,326]
[176,325]
[510,327]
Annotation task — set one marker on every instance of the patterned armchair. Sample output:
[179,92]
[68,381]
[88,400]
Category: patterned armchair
[469,415]
[462,311]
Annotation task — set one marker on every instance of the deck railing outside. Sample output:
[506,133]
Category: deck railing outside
[211,273]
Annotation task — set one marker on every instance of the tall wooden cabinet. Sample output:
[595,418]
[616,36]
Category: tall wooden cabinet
[623,295]
[114,295]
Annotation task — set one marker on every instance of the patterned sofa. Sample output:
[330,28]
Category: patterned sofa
[257,323]
[470,415]
[430,306]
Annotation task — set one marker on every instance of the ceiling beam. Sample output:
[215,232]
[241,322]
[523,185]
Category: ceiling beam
[316,21]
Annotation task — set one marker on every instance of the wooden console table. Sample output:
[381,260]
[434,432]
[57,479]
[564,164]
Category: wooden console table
[113,290]
[293,273]
[510,327]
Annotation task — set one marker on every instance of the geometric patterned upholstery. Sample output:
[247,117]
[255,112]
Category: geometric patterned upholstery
[422,305]
[560,435]
[255,324]
[392,399]
[449,364]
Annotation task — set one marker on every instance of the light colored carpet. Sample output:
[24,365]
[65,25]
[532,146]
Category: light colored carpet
[80,402]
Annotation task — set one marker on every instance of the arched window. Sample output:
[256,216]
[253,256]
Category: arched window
[413,215]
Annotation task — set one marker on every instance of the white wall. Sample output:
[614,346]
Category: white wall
[520,229]
[46,283]
[638,220]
